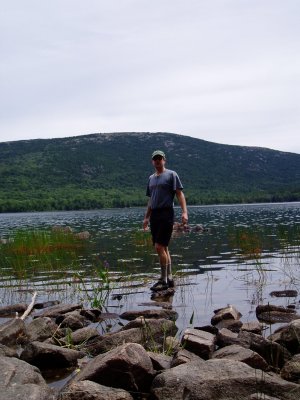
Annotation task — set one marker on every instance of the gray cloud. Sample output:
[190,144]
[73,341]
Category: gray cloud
[223,70]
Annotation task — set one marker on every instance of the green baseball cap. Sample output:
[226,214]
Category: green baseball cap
[158,153]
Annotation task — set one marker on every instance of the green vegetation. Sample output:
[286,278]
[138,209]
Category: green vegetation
[111,170]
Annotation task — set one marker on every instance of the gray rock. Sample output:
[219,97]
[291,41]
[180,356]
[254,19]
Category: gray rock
[275,314]
[81,336]
[11,310]
[58,310]
[222,380]
[288,336]
[229,312]
[231,324]
[291,369]
[73,320]
[128,367]
[41,329]
[184,356]
[48,356]
[225,337]
[199,342]
[19,380]
[284,293]
[239,353]
[253,326]
[88,390]
[159,314]
[11,332]
[160,361]
[7,351]
[274,354]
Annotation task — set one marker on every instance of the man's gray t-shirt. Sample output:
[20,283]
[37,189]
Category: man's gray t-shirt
[162,188]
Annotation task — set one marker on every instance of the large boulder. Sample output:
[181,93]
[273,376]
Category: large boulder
[88,390]
[48,356]
[222,380]
[128,367]
[19,380]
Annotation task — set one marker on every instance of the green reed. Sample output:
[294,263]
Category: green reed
[29,251]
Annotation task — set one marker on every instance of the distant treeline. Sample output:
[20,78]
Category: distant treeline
[111,171]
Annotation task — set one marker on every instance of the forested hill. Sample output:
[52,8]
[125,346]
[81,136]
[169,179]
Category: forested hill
[111,170]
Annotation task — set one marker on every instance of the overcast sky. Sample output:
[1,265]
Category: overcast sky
[227,71]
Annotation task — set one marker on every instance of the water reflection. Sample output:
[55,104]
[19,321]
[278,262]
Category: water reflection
[247,252]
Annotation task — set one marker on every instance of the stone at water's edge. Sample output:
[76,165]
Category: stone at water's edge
[11,332]
[20,380]
[222,380]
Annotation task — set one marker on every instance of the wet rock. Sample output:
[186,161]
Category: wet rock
[160,361]
[184,356]
[239,353]
[46,304]
[59,310]
[229,312]
[19,380]
[93,391]
[284,293]
[11,310]
[166,314]
[291,369]
[222,380]
[199,342]
[41,329]
[128,367]
[275,314]
[12,332]
[48,356]
[288,336]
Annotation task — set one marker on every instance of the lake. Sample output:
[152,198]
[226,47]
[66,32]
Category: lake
[244,253]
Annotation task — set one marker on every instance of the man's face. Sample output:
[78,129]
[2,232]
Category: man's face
[158,161]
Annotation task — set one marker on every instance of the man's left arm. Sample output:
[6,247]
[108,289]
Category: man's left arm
[181,199]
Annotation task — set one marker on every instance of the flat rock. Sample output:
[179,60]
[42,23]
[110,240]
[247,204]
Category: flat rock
[158,314]
[93,391]
[222,380]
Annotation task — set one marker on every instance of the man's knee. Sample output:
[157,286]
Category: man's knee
[160,248]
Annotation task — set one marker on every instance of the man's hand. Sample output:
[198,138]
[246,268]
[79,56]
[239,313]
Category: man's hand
[145,223]
[184,218]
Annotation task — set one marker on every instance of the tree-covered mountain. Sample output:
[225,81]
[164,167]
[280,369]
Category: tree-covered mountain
[111,170]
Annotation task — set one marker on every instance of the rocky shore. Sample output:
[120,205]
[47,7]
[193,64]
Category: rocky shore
[229,359]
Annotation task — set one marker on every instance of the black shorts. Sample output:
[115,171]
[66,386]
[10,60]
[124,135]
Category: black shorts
[161,225]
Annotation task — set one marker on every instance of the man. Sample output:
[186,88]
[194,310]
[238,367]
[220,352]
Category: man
[162,187]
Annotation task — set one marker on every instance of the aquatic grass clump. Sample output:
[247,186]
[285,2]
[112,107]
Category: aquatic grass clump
[29,251]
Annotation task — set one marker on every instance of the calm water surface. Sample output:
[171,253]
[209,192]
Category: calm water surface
[246,252]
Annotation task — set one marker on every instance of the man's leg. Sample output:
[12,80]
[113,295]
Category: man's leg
[163,255]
